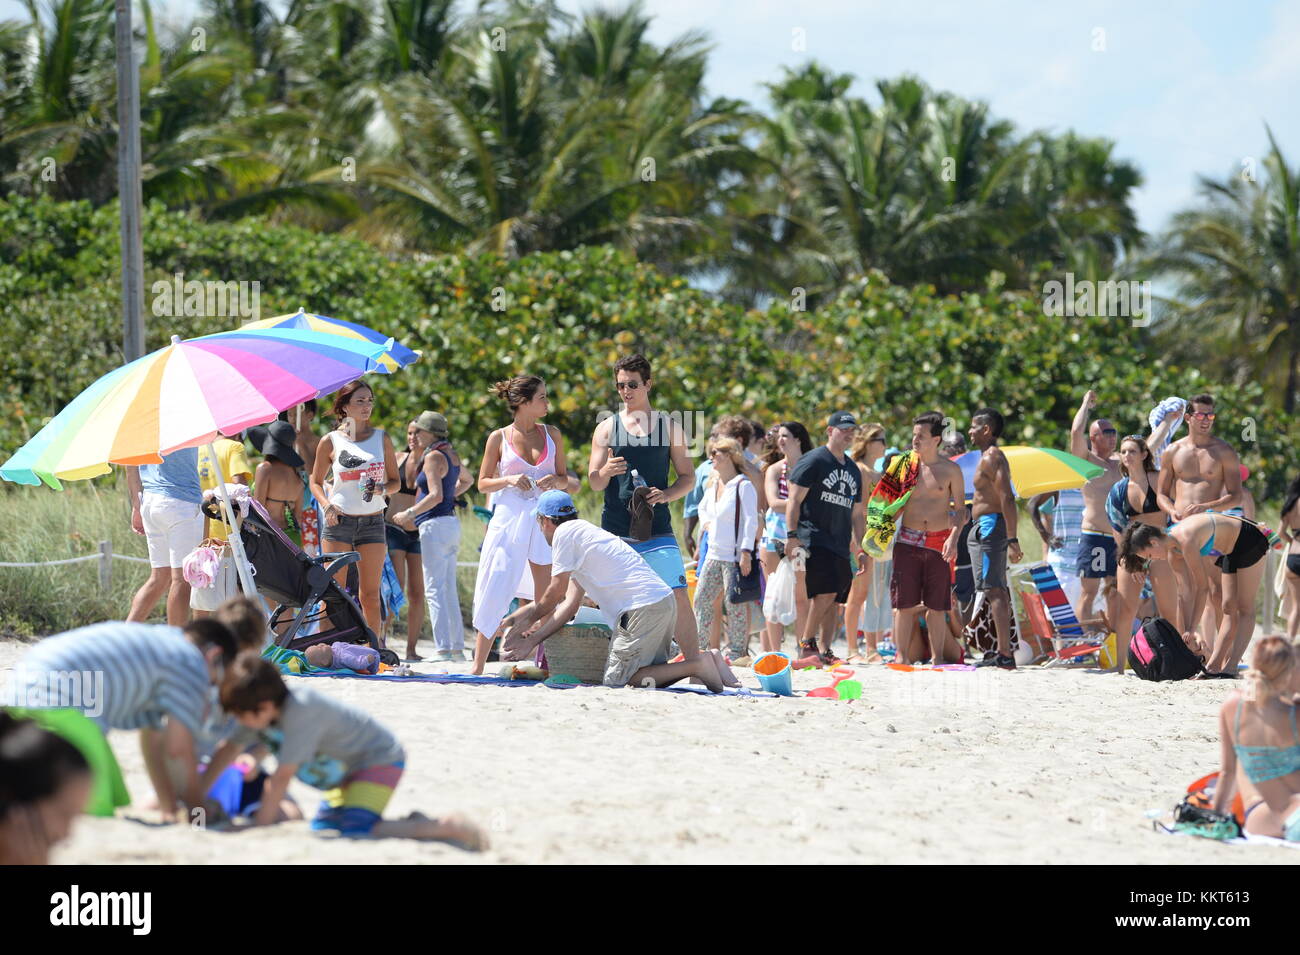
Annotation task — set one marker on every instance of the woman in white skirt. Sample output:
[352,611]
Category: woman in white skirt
[520,461]
[729,508]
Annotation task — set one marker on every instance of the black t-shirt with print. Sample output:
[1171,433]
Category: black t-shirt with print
[826,513]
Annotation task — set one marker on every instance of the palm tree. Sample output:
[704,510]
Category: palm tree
[60,106]
[549,141]
[1236,262]
[926,187]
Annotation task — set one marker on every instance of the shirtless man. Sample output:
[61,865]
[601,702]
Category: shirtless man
[993,512]
[1096,562]
[1200,473]
[922,576]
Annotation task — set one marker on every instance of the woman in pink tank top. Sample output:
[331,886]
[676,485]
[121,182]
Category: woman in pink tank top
[520,461]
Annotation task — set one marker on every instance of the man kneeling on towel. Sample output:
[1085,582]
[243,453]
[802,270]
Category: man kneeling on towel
[639,607]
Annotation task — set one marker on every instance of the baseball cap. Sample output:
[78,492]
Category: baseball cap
[842,419]
[433,423]
[555,504]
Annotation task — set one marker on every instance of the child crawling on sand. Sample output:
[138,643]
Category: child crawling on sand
[330,745]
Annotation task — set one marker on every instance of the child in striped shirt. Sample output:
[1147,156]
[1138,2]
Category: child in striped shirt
[135,676]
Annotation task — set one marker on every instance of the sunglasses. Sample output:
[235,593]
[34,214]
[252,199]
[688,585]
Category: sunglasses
[627,385]
[1203,415]
[1109,431]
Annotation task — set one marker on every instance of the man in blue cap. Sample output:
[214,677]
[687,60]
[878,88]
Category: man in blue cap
[640,608]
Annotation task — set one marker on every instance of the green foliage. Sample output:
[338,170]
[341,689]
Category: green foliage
[886,351]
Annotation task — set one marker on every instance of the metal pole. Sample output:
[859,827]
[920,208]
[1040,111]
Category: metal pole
[128,185]
[236,542]
[105,565]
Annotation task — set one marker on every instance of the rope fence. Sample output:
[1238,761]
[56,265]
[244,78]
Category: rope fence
[1268,605]
[106,556]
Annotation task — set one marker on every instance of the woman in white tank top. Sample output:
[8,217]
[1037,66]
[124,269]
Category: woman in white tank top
[520,461]
[362,470]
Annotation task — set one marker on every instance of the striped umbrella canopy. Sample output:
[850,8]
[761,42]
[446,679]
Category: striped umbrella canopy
[1034,470]
[180,397]
[396,355]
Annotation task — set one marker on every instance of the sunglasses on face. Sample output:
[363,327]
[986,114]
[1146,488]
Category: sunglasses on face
[628,385]
[1203,415]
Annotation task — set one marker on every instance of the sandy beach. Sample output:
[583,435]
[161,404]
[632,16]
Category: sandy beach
[1037,766]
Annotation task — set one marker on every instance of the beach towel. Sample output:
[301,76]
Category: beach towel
[889,496]
[1170,406]
[390,590]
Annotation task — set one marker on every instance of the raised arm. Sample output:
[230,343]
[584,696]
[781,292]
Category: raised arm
[1079,428]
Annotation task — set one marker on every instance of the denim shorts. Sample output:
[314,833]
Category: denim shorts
[401,539]
[355,530]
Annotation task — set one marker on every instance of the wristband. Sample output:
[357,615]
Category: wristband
[1013,540]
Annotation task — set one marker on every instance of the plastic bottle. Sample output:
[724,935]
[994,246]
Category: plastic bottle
[637,479]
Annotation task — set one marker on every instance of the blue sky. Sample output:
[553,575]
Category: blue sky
[1181,87]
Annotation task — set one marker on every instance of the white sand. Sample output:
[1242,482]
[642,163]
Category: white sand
[1037,766]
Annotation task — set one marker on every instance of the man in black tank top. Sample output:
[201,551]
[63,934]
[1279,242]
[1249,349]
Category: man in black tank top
[641,439]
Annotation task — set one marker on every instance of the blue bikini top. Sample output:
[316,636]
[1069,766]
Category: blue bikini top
[1262,763]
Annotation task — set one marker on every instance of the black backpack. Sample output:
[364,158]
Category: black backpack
[1157,652]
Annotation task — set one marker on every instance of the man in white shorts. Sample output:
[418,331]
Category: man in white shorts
[640,608]
[165,501]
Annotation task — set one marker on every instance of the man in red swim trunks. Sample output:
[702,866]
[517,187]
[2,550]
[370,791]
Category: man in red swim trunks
[922,577]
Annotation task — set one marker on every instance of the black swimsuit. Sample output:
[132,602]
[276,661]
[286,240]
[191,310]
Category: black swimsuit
[1149,504]
[1250,547]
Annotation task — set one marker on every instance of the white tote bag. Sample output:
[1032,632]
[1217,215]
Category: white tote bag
[225,583]
[778,605]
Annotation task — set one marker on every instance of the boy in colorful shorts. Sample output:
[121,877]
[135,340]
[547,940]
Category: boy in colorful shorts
[329,745]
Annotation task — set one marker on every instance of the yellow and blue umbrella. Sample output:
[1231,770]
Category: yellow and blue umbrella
[1034,470]
[396,355]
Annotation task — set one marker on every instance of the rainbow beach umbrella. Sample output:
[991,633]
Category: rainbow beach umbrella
[180,397]
[1034,470]
[395,357]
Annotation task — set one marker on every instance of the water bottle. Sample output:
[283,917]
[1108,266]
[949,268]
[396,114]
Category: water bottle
[637,479]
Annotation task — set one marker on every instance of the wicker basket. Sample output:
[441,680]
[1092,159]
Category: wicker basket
[578,651]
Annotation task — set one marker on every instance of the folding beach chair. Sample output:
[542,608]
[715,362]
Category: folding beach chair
[1069,640]
[311,607]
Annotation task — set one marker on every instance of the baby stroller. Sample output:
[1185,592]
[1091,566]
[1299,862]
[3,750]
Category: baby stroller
[312,607]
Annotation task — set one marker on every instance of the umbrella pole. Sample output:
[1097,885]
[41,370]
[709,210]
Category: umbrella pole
[236,542]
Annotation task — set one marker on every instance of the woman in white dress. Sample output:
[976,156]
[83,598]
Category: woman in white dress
[520,461]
